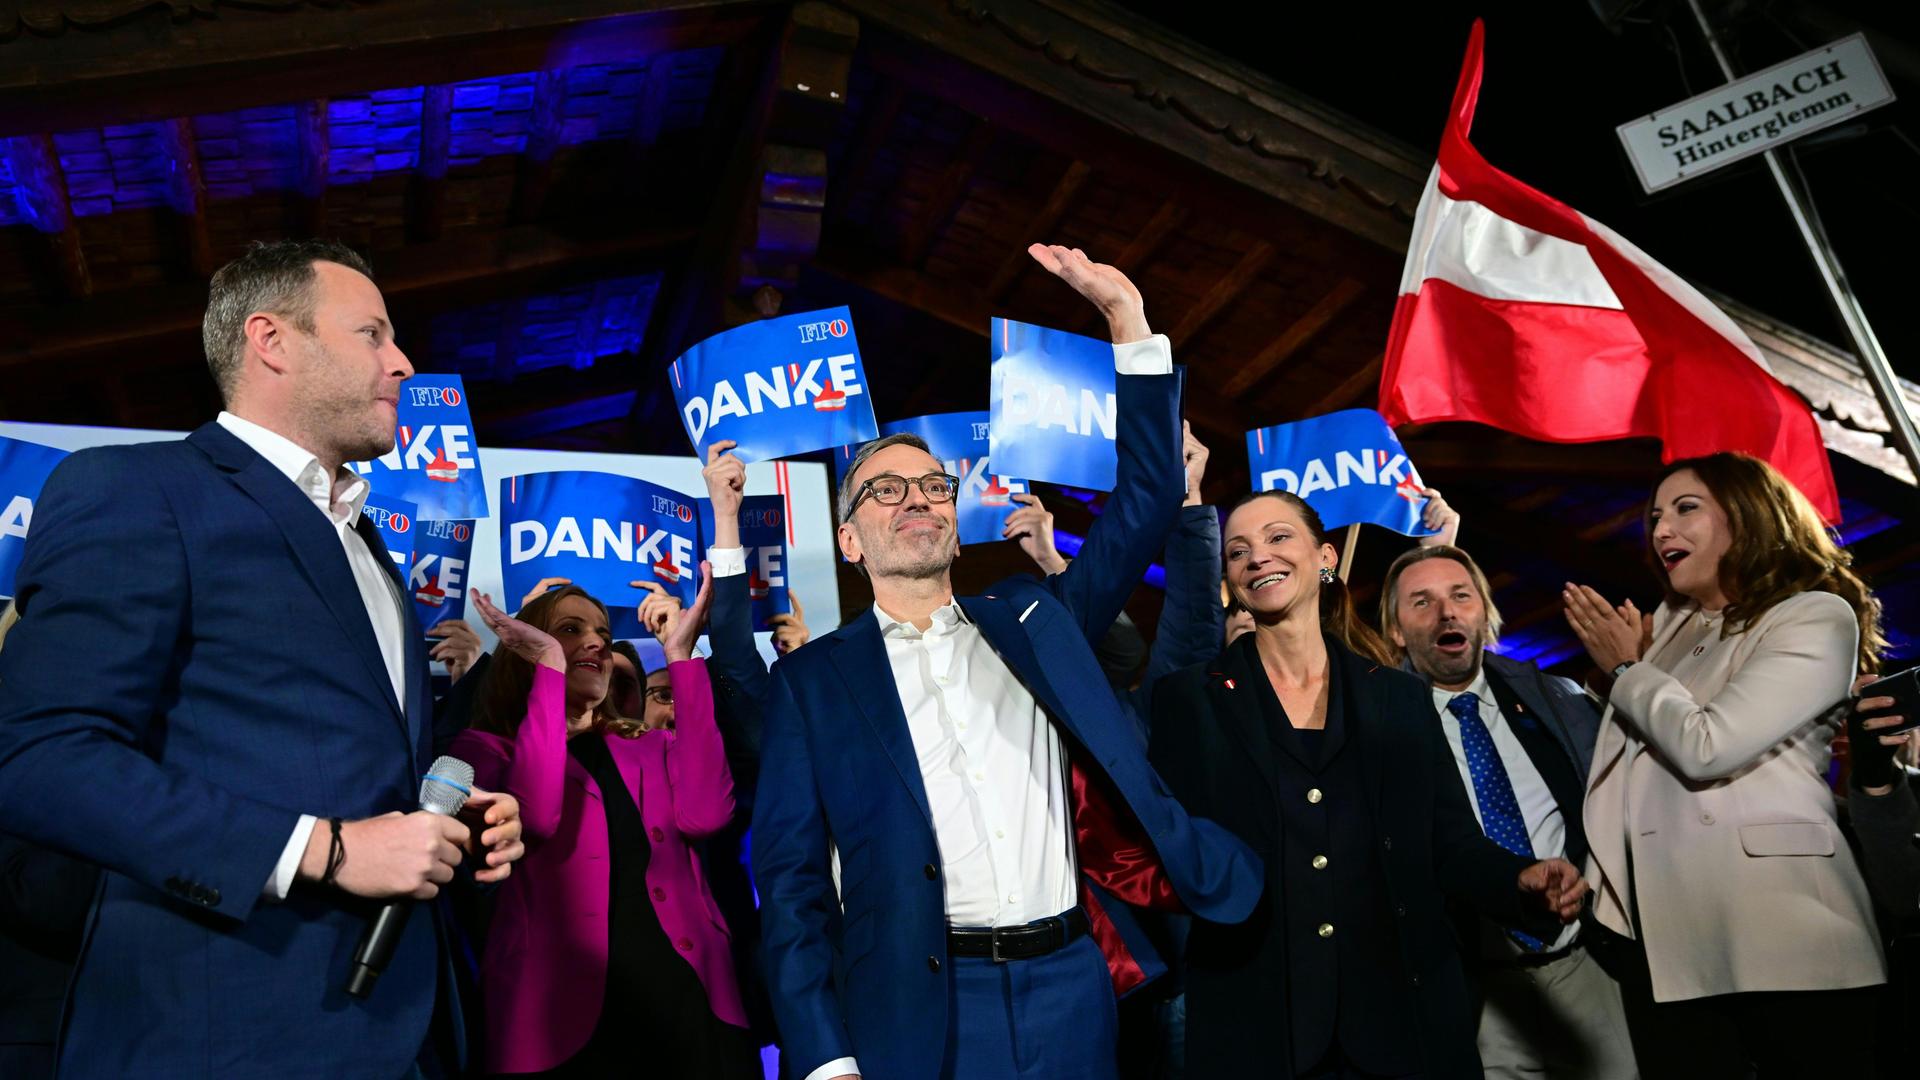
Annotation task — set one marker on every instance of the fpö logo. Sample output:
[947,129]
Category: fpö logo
[760,519]
[669,508]
[457,531]
[433,396]
[390,520]
[820,331]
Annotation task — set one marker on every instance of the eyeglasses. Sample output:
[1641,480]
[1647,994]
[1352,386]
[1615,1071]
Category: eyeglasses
[660,695]
[890,490]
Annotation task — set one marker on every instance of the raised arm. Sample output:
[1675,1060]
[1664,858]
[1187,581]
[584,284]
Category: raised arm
[533,767]
[696,760]
[1150,480]
[1192,621]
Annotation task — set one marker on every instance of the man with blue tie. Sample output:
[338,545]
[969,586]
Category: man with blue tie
[954,809]
[218,693]
[1524,742]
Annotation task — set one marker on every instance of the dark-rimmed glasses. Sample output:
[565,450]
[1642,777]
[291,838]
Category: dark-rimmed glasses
[889,489]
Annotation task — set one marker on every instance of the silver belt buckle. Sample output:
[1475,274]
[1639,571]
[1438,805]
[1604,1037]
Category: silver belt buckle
[993,945]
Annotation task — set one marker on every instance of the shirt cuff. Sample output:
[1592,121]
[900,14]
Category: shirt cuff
[837,1067]
[727,562]
[1153,356]
[281,883]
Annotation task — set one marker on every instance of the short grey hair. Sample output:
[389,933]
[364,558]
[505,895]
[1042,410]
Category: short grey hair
[276,278]
[1390,587]
[848,489]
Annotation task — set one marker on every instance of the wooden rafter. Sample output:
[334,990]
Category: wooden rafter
[1296,335]
[1349,391]
[316,147]
[187,193]
[1231,284]
[533,176]
[43,189]
[427,189]
[1041,225]
[1166,220]
[949,191]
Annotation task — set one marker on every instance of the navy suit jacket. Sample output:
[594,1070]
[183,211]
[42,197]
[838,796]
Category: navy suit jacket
[862,973]
[193,669]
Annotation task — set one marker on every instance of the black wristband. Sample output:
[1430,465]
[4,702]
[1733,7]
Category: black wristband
[336,853]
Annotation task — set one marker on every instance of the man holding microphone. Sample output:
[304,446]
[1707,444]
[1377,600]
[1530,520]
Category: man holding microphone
[217,692]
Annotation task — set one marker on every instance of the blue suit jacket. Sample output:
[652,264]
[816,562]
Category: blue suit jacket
[193,669]
[862,973]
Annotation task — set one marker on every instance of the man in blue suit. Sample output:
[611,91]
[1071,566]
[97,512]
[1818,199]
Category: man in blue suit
[218,693]
[953,805]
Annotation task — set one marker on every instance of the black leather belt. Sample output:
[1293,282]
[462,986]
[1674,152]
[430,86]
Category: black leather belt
[1004,943]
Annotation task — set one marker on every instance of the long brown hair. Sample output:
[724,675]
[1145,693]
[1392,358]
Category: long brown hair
[1339,615]
[1777,547]
[509,680]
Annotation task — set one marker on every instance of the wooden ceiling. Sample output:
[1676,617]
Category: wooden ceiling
[559,196]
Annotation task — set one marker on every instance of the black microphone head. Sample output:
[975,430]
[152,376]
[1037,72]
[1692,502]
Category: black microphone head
[445,788]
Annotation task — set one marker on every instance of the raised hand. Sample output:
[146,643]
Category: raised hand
[1439,515]
[1612,635]
[1558,885]
[678,643]
[1032,525]
[1194,452]
[790,629]
[540,587]
[726,478]
[659,610]
[534,645]
[458,648]
[1104,286]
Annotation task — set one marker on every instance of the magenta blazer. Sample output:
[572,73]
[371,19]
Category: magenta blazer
[544,971]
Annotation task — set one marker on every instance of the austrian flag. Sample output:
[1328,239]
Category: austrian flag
[1519,312]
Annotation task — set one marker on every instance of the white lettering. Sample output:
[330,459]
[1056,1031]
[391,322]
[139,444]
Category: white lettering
[525,539]
[841,369]
[18,515]
[1091,413]
[760,390]
[1284,479]
[567,539]
[1351,467]
[605,537]
[1315,478]
[696,414]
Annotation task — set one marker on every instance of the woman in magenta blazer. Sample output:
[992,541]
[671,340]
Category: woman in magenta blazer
[606,955]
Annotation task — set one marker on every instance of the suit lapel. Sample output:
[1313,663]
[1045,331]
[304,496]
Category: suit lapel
[1363,708]
[1530,724]
[315,546]
[1235,690]
[1007,636]
[858,654]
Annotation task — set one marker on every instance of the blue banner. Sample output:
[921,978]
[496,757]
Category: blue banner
[1053,406]
[397,520]
[442,551]
[24,468]
[602,531]
[1348,465]
[434,462]
[961,441]
[777,387]
[764,527]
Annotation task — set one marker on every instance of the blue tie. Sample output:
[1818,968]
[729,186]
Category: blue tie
[1499,808]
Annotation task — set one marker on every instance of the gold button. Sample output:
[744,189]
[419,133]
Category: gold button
[1313,795]
[1326,929]
[1319,862]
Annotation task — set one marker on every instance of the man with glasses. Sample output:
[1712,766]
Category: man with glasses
[953,806]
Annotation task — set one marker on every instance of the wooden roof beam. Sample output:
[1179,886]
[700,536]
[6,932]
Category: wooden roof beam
[533,174]
[43,189]
[316,148]
[1224,292]
[1296,335]
[1348,392]
[947,195]
[1166,221]
[1065,190]
[427,189]
[187,193]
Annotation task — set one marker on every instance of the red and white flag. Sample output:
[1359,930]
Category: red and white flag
[1519,312]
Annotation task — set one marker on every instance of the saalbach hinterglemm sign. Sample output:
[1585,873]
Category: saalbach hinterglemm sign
[1759,112]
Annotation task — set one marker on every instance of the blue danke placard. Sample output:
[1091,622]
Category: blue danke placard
[777,387]
[1053,414]
[764,527]
[602,531]
[24,468]
[1349,466]
[435,460]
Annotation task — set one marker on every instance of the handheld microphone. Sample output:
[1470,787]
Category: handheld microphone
[443,790]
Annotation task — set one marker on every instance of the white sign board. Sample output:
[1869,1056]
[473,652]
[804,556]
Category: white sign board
[1755,113]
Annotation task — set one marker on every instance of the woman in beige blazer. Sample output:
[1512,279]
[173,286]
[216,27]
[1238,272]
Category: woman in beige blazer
[1743,923]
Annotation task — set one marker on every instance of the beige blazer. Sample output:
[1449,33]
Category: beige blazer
[1708,801]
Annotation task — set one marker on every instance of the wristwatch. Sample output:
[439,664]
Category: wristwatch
[1621,667]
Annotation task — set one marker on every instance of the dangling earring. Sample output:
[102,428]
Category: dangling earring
[1326,575]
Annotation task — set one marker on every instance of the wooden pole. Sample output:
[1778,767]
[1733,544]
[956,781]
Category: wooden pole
[1347,549]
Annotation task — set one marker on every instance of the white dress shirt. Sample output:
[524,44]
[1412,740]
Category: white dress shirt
[1546,827]
[340,498]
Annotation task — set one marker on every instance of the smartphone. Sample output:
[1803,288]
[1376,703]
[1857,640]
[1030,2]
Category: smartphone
[1904,688]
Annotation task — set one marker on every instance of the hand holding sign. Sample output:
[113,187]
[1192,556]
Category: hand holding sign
[1032,525]
[1194,452]
[659,610]
[1104,286]
[790,630]
[726,477]
[542,586]
[1440,517]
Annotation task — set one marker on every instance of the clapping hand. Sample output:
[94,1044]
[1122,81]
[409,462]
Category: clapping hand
[1105,286]
[1612,635]
[675,628]
[534,645]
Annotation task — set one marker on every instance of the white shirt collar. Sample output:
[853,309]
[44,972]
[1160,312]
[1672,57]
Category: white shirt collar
[1480,688]
[340,497]
[946,619]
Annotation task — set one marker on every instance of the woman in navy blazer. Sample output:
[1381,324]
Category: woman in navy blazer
[606,955]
